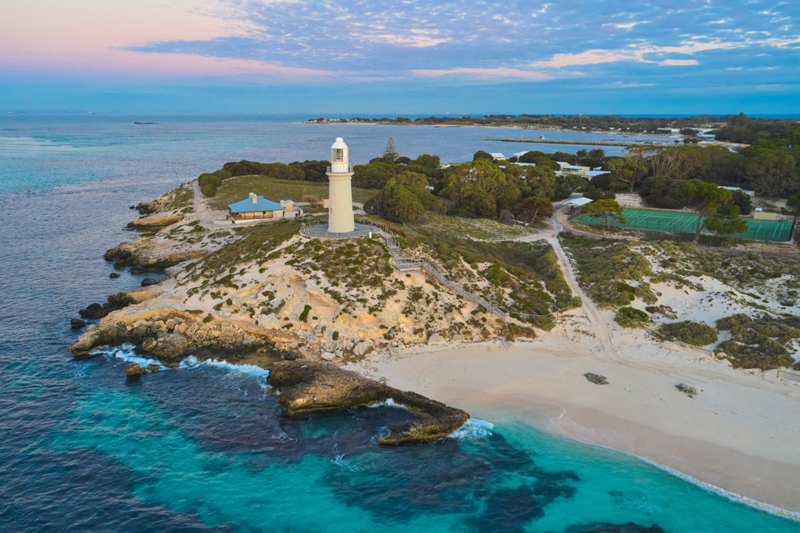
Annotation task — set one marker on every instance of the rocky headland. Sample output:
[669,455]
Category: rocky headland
[269,296]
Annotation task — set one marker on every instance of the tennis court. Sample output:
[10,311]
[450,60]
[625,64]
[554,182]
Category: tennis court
[680,222]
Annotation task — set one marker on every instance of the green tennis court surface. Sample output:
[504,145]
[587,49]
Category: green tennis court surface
[677,222]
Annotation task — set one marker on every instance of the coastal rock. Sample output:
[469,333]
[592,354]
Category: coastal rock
[115,302]
[436,338]
[328,356]
[155,221]
[362,348]
[307,387]
[147,208]
[149,344]
[134,372]
[114,275]
[147,282]
[597,379]
[148,329]
[77,323]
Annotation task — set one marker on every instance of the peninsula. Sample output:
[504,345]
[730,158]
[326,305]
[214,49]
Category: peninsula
[481,285]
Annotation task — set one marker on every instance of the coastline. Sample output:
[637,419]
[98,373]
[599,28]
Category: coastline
[736,437]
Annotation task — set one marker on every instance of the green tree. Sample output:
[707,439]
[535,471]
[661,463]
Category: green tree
[793,209]
[533,209]
[605,209]
[390,153]
[708,198]
[772,172]
[405,198]
[480,154]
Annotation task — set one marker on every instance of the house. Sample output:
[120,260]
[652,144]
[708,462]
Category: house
[259,208]
[594,173]
[574,169]
[498,156]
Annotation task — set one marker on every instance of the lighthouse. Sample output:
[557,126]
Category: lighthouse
[340,194]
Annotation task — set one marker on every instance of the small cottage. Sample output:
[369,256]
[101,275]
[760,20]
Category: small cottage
[257,207]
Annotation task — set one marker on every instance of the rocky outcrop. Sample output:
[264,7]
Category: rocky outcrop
[171,335]
[76,323]
[307,387]
[134,372]
[155,221]
[115,302]
[143,257]
[147,208]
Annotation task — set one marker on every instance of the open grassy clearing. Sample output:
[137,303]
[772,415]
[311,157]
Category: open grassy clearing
[234,189]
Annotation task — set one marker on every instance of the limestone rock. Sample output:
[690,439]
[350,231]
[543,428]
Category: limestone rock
[436,338]
[362,348]
[155,221]
[134,372]
[149,344]
[328,356]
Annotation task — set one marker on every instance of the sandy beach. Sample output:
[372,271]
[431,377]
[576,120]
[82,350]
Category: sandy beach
[740,433]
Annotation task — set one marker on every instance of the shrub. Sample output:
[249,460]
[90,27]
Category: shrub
[690,332]
[630,317]
[304,314]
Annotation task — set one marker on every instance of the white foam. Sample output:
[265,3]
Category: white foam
[125,353]
[473,429]
[388,403]
[257,372]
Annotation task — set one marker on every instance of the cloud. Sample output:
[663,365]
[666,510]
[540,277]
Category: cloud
[486,73]
[678,62]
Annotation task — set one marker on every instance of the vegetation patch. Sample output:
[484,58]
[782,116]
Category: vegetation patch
[763,342]
[630,317]
[605,265]
[695,333]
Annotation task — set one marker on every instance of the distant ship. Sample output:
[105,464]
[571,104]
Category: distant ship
[145,122]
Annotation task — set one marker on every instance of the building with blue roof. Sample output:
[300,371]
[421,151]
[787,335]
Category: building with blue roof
[257,207]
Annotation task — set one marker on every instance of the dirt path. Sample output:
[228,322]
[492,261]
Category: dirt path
[203,212]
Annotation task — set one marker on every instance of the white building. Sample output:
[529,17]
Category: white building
[341,218]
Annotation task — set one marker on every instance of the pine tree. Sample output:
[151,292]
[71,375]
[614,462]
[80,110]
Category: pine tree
[390,154]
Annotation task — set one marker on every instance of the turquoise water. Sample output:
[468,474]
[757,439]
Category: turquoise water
[205,446]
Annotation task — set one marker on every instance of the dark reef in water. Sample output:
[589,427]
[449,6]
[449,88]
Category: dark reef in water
[307,387]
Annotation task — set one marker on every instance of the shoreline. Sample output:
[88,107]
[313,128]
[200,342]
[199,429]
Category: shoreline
[725,440]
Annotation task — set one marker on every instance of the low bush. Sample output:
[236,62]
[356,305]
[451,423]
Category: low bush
[759,342]
[630,317]
[695,333]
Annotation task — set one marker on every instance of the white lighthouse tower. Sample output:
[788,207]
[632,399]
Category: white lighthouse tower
[340,173]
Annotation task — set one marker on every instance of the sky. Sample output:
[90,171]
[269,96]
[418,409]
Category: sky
[407,57]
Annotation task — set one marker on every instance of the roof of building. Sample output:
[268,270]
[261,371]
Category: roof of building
[259,203]
[593,173]
[579,201]
[520,154]
[497,155]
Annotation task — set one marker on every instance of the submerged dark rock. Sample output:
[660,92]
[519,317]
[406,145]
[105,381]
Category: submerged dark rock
[114,275]
[605,527]
[307,387]
[77,323]
[147,282]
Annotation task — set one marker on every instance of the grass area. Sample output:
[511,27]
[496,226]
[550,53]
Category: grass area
[234,189]
[695,333]
[682,222]
[182,197]
[604,268]
[763,342]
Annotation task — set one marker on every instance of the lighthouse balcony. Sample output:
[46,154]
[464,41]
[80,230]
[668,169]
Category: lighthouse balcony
[340,168]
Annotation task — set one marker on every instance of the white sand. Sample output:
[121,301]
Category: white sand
[740,433]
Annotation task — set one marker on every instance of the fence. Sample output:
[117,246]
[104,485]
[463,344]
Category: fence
[682,222]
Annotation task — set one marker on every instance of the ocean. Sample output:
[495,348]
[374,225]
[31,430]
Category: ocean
[204,446]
